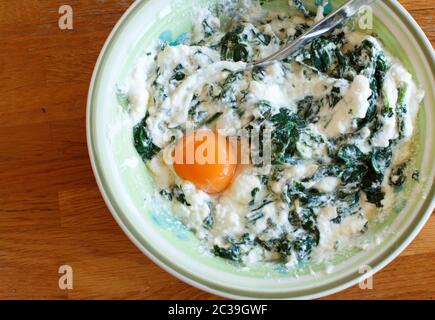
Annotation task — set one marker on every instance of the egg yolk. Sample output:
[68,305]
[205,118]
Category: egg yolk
[206,159]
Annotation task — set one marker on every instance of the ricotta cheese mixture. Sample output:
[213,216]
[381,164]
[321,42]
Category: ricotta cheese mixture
[342,113]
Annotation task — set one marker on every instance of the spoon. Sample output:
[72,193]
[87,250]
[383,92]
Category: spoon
[323,26]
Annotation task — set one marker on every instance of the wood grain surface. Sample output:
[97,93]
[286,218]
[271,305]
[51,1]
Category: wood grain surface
[51,212]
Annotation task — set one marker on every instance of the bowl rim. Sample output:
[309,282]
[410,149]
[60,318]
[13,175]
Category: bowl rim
[380,262]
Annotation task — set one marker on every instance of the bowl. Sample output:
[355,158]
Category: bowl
[127,187]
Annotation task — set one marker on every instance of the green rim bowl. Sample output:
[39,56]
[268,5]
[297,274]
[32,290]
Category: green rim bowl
[128,191]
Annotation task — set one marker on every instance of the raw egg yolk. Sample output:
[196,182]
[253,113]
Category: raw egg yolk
[206,159]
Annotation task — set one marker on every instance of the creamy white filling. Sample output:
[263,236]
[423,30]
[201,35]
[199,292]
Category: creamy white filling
[354,105]
[283,88]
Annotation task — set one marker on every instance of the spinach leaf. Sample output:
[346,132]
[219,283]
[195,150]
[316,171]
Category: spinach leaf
[354,173]
[401,109]
[301,245]
[254,215]
[381,159]
[371,185]
[208,30]
[286,133]
[179,195]
[334,97]
[308,237]
[350,154]
[213,118]
[266,201]
[264,108]
[308,109]
[253,194]
[348,204]
[178,73]
[240,52]
[293,190]
[304,244]
[229,91]
[264,179]
[398,175]
[208,221]
[294,219]
[324,56]
[166,194]
[232,253]
[233,45]
[387,110]
[195,115]
[368,60]
[262,37]
[416,175]
[258,73]
[234,250]
[143,142]
[300,6]
[281,245]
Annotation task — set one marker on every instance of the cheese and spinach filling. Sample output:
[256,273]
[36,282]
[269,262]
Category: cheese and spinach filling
[341,110]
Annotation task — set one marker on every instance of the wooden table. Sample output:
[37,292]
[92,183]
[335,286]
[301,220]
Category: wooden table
[51,212]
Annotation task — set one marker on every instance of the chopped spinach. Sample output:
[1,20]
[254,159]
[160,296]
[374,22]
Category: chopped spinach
[347,204]
[381,159]
[179,73]
[258,73]
[229,91]
[300,6]
[262,37]
[264,108]
[416,175]
[166,195]
[307,237]
[371,185]
[179,195]
[401,110]
[235,249]
[304,244]
[350,154]
[306,110]
[334,97]
[263,204]
[208,221]
[354,173]
[323,55]
[254,215]
[233,45]
[143,142]
[287,130]
[388,109]
[231,253]
[240,52]
[208,30]
[253,194]
[264,179]
[398,175]
[213,118]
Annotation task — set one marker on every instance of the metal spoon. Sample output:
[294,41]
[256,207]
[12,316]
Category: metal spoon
[332,20]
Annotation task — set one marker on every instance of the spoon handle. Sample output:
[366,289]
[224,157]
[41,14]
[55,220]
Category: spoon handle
[332,20]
